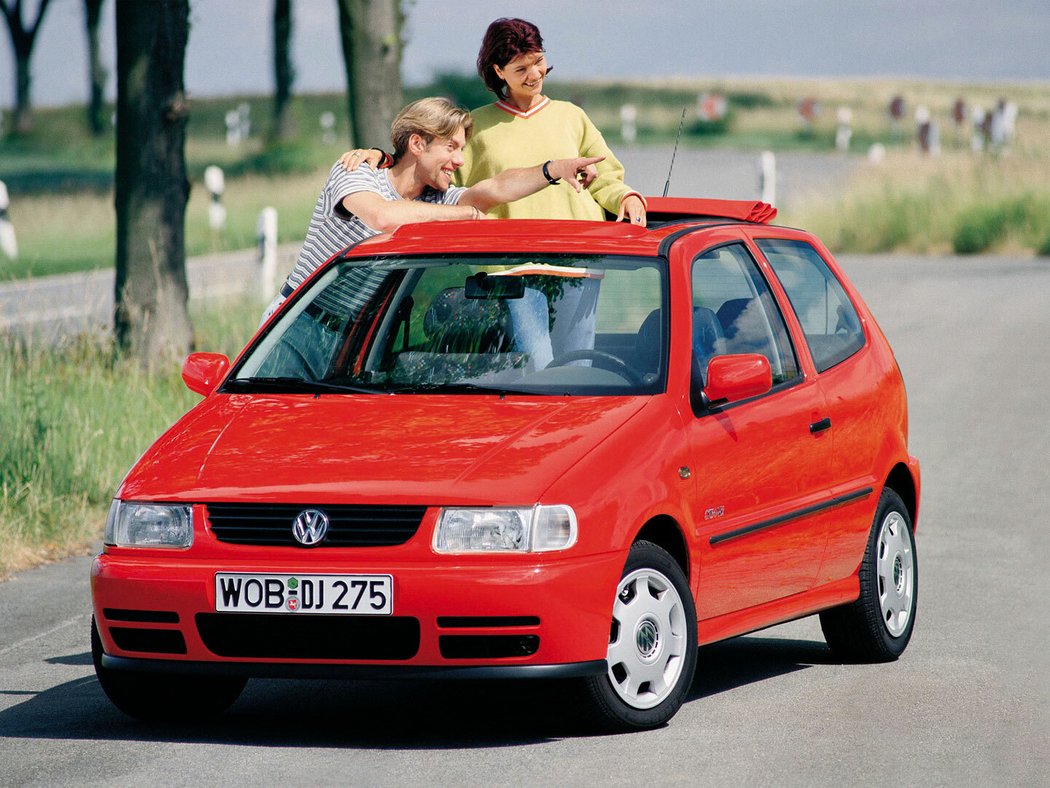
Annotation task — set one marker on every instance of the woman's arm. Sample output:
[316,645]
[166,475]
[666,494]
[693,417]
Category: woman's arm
[608,188]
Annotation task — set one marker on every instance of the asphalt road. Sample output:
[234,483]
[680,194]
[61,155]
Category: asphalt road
[967,704]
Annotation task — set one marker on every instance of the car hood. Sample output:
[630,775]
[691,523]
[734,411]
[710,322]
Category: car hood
[419,449]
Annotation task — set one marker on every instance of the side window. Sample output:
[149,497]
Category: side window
[734,312]
[829,321]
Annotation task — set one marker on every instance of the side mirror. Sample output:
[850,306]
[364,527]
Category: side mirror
[202,372]
[733,378]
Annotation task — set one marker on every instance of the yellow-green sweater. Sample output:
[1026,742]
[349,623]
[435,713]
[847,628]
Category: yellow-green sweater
[504,138]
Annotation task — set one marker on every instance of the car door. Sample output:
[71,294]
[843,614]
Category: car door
[858,385]
[761,464]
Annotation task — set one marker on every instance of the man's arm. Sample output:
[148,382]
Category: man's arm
[387,215]
[520,182]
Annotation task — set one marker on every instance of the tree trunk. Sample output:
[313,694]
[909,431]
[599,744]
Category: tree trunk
[96,109]
[371,36]
[283,71]
[151,321]
[22,40]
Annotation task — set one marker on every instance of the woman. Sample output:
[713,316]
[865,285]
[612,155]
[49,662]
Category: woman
[524,127]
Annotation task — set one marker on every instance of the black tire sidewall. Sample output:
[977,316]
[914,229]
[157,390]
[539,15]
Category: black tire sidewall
[891,646]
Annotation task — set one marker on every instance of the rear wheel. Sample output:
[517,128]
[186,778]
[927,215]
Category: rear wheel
[163,697]
[878,626]
[652,644]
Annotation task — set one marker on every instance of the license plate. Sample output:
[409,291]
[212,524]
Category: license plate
[371,595]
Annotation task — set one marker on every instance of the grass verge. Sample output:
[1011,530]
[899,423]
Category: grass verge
[956,203]
[74,419]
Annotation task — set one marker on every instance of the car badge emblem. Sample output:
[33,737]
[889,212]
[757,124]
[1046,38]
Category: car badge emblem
[310,527]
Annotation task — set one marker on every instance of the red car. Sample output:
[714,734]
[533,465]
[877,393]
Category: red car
[523,449]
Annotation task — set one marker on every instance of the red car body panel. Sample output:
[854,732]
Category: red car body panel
[771,517]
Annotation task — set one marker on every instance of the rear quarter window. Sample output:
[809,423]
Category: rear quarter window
[829,321]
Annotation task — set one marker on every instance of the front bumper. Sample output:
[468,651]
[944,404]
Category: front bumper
[473,616]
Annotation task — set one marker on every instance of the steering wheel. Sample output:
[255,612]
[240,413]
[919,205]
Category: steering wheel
[614,364]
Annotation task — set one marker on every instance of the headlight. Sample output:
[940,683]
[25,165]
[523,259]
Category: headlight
[149,525]
[522,529]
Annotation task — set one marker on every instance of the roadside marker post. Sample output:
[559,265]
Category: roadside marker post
[8,242]
[266,232]
[215,183]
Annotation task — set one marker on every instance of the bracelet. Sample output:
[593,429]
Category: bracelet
[547,174]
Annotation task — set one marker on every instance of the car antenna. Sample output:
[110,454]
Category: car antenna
[677,137]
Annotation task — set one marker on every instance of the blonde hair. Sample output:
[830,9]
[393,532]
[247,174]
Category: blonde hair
[431,118]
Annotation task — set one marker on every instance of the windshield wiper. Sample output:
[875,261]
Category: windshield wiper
[289,385]
[458,388]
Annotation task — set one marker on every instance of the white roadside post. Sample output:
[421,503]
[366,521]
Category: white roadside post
[233,128]
[8,243]
[215,183]
[244,119]
[979,121]
[629,123]
[768,177]
[328,128]
[844,131]
[266,232]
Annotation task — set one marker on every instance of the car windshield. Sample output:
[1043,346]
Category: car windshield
[504,324]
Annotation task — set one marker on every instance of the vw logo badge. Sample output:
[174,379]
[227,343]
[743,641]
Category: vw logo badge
[310,527]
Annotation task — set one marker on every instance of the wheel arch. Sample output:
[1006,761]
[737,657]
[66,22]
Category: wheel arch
[665,532]
[901,482]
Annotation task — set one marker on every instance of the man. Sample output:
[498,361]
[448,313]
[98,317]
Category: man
[428,136]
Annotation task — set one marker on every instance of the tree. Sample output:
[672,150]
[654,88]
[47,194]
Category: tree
[371,35]
[151,321]
[22,40]
[283,71]
[96,109]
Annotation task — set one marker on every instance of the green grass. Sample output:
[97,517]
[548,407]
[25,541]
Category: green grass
[73,420]
[953,204]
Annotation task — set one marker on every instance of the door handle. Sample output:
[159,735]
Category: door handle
[820,426]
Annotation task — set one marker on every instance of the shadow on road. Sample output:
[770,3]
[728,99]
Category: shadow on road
[405,715]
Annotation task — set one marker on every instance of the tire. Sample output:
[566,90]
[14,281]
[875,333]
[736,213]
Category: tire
[878,626]
[652,645]
[163,697]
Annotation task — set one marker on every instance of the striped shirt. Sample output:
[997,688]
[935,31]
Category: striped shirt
[332,228]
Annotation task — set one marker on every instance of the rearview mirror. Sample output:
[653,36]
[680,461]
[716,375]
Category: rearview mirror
[737,377]
[202,372]
[482,286]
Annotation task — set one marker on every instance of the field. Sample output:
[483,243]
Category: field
[62,208]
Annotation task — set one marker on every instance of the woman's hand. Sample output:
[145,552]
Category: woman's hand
[575,172]
[353,159]
[590,172]
[633,208]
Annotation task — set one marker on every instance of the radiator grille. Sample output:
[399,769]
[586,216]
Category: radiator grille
[350,526]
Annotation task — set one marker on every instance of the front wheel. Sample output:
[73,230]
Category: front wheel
[159,697]
[652,644]
[878,626]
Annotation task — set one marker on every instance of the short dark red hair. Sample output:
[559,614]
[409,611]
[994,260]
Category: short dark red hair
[505,40]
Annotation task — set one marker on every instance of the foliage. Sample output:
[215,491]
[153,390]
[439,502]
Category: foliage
[74,418]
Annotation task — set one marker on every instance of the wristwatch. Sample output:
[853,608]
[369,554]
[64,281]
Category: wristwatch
[547,174]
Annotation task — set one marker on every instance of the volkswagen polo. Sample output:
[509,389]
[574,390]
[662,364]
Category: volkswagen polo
[522,449]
